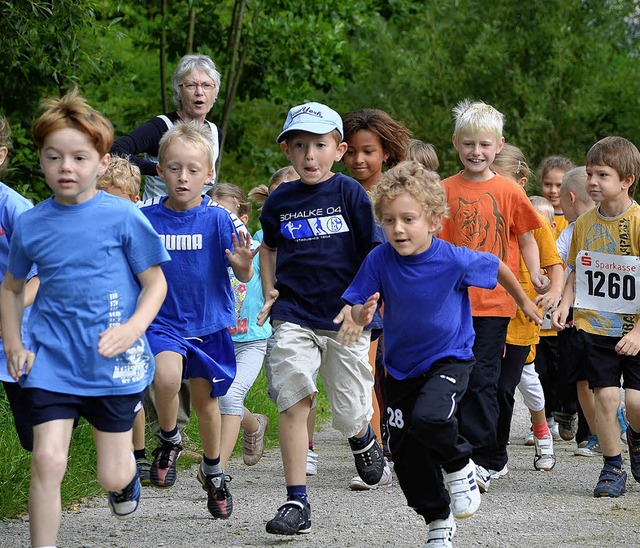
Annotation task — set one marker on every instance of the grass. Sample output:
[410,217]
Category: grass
[80,480]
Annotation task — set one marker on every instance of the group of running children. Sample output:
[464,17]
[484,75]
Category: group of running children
[100,297]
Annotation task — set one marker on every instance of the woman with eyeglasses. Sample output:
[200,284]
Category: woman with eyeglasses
[195,84]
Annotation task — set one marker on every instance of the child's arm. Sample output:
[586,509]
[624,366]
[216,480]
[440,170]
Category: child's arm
[551,299]
[507,280]
[268,277]
[12,299]
[531,255]
[119,338]
[241,260]
[559,317]
[30,290]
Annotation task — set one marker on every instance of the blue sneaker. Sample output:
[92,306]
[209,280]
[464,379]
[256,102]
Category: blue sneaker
[623,423]
[611,483]
[124,503]
[592,449]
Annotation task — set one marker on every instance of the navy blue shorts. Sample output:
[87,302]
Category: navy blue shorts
[604,366]
[210,357]
[105,413]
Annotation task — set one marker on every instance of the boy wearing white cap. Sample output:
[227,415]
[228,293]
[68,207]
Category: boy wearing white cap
[317,232]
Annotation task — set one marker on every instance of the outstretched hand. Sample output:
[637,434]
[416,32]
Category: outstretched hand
[241,259]
[349,331]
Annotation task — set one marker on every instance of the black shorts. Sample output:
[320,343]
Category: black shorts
[604,366]
[105,413]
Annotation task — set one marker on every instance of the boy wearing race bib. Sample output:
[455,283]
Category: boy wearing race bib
[603,285]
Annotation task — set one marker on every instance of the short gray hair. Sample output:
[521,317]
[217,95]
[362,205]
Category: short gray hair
[185,66]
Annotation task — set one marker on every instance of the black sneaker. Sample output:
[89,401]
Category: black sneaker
[219,499]
[634,454]
[293,518]
[144,471]
[369,459]
[163,469]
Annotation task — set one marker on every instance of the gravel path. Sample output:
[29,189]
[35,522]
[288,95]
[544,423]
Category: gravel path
[524,508]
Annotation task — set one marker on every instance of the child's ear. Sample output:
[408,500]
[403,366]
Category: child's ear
[628,181]
[159,171]
[573,197]
[285,148]
[553,225]
[244,218]
[500,144]
[340,150]
[104,163]
[4,151]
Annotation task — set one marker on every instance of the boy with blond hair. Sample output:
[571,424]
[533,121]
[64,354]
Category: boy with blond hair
[190,336]
[319,229]
[603,288]
[488,213]
[121,179]
[428,360]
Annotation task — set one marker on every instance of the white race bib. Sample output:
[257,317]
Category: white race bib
[608,283]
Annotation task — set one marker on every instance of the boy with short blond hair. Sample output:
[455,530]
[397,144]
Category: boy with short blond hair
[319,228]
[190,336]
[488,213]
[428,359]
[603,288]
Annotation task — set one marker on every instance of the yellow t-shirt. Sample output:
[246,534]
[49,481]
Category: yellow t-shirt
[561,224]
[616,236]
[521,331]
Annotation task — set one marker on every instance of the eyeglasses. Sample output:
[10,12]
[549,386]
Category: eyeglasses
[191,86]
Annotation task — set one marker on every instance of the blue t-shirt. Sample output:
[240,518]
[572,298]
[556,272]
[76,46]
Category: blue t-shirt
[249,303]
[88,256]
[199,298]
[322,234]
[12,205]
[427,313]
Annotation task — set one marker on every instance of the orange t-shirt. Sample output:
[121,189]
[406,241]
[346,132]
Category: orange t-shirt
[489,216]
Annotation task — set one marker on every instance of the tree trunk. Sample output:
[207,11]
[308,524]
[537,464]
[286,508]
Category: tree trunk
[163,64]
[238,56]
[192,29]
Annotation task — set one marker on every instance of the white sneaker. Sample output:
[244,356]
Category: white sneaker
[356,483]
[441,532]
[554,429]
[483,478]
[312,463]
[463,490]
[497,474]
[528,439]
[545,459]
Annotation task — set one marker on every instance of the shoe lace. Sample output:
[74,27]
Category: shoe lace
[166,449]
[221,491]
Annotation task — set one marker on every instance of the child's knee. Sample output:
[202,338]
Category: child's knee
[48,463]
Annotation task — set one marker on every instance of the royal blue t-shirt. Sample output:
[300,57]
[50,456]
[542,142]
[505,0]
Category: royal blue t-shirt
[427,312]
[88,256]
[322,234]
[199,297]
